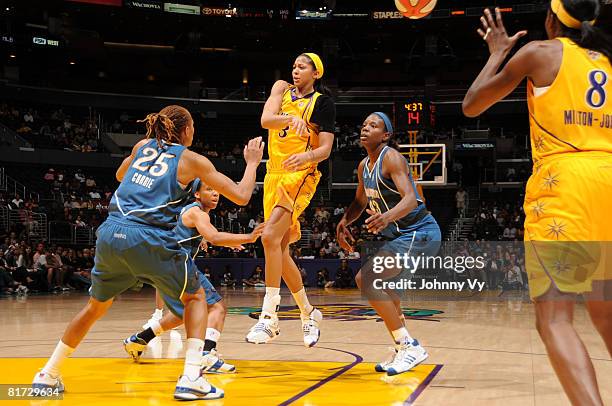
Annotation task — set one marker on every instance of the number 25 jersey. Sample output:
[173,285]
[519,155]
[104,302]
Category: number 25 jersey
[150,192]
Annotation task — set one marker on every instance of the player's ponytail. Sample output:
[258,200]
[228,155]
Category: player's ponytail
[167,125]
[321,88]
[594,38]
[587,35]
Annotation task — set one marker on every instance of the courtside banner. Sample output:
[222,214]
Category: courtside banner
[219,12]
[181,8]
[386,15]
[144,4]
[116,3]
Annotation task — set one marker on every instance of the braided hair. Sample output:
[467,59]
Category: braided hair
[168,124]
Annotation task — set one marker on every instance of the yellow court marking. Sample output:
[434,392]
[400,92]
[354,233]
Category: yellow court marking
[106,381]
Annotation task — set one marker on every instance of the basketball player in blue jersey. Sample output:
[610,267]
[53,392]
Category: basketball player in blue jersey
[194,228]
[136,242]
[399,215]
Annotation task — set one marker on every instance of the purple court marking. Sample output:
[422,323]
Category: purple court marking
[414,395]
[358,360]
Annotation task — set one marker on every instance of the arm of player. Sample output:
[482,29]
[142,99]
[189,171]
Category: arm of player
[353,212]
[491,86]
[200,167]
[200,220]
[128,160]
[270,119]
[321,153]
[395,165]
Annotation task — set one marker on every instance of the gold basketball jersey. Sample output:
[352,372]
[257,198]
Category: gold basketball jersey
[575,113]
[284,143]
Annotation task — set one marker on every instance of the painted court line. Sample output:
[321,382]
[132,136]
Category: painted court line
[358,360]
[422,386]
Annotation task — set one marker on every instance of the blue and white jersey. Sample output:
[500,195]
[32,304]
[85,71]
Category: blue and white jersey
[188,238]
[383,195]
[150,192]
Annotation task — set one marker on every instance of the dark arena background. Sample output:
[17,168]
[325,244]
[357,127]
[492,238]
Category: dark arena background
[76,77]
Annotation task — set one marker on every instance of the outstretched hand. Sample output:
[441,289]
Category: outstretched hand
[495,35]
[344,236]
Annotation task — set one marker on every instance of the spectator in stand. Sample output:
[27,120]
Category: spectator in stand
[55,270]
[79,277]
[40,250]
[344,276]
[256,279]
[16,202]
[254,223]
[79,222]
[461,199]
[50,175]
[512,278]
[323,254]
[338,212]
[228,277]
[316,238]
[8,284]
[87,261]
[206,271]
[90,182]
[28,117]
[322,277]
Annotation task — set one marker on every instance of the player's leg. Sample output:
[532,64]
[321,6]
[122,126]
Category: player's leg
[311,317]
[109,278]
[277,225]
[155,346]
[566,351]
[136,344]
[192,385]
[50,377]
[601,314]
[407,353]
[212,361]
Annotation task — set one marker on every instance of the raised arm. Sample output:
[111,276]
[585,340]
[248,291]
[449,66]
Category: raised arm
[200,220]
[396,167]
[491,86]
[128,160]
[270,119]
[197,166]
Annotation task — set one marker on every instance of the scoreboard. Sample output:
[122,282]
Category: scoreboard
[414,115]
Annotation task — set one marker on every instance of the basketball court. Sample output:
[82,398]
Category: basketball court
[482,351]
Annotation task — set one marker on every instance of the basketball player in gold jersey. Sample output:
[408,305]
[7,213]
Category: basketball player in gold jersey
[568,198]
[301,123]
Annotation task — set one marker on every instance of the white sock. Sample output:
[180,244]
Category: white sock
[193,358]
[158,314]
[271,300]
[401,335]
[302,301]
[156,327]
[61,352]
[213,334]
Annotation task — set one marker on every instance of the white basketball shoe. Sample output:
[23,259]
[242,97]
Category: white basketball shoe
[265,330]
[310,327]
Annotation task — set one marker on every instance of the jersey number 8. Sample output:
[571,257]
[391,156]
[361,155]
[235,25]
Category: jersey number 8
[596,95]
[158,168]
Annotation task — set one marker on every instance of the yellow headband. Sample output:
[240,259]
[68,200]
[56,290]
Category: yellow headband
[566,19]
[317,62]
